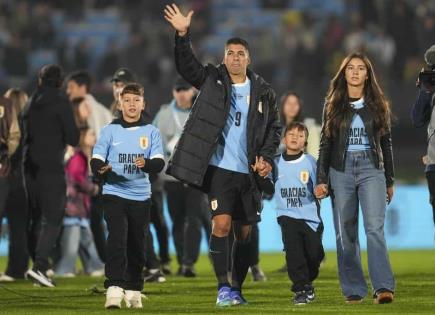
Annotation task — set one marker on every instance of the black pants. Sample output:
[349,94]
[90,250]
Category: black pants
[98,227]
[189,213]
[151,259]
[127,223]
[46,198]
[17,214]
[159,223]
[4,189]
[430,176]
[254,245]
[304,252]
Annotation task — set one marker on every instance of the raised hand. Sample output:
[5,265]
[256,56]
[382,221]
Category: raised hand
[178,21]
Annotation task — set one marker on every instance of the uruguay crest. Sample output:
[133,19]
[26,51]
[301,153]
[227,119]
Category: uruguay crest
[143,142]
[304,176]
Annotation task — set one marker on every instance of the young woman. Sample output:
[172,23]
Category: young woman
[290,111]
[356,166]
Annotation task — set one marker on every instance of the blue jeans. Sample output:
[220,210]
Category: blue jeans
[360,183]
[77,240]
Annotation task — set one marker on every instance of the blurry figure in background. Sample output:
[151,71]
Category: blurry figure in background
[48,127]
[187,206]
[121,78]
[422,114]
[15,199]
[9,141]
[76,236]
[78,86]
[291,110]
[81,110]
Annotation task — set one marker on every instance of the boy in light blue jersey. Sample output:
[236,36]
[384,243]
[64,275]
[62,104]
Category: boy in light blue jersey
[297,210]
[126,152]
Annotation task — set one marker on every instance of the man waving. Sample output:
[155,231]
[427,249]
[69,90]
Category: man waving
[232,125]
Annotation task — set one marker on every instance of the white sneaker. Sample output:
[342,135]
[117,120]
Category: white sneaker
[5,278]
[133,299]
[40,278]
[97,273]
[50,273]
[114,296]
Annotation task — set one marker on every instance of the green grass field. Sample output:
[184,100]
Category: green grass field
[414,270]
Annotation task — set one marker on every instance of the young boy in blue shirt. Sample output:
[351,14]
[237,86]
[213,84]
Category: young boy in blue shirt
[127,151]
[298,211]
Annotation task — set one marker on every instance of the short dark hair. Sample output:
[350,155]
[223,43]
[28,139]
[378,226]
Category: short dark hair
[81,77]
[77,100]
[133,88]
[51,75]
[237,41]
[299,126]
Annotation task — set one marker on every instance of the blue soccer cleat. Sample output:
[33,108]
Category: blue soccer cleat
[223,298]
[237,298]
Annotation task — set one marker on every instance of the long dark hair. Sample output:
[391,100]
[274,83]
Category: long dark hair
[337,99]
[284,97]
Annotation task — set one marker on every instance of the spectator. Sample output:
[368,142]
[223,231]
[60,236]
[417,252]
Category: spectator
[76,237]
[79,85]
[48,127]
[187,206]
[290,111]
[82,111]
[16,204]
[9,141]
[121,78]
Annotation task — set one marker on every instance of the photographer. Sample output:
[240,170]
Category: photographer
[422,113]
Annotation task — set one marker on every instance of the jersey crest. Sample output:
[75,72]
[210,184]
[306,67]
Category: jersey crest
[304,176]
[143,142]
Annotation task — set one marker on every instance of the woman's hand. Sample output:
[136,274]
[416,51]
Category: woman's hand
[321,191]
[178,21]
[390,193]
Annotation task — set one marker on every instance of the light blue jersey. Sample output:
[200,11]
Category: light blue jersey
[358,140]
[119,147]
[231,152]
[294,189]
